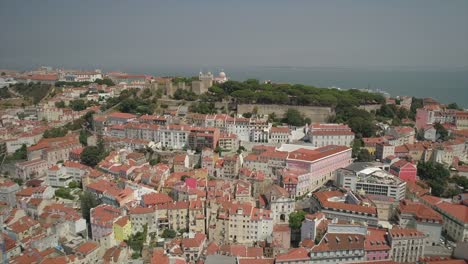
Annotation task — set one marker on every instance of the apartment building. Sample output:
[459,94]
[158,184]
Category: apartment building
[362,177]
[319,165]
[407,245]
[344,206]
[321,135]
[420,216]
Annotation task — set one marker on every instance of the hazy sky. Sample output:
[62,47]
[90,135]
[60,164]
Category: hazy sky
[122,34]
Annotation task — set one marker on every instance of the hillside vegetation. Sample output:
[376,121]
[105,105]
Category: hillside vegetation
[35,91]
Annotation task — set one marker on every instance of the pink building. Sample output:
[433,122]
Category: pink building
[376,245]
[404,170]
[102,220]
[282,237]
[320,165]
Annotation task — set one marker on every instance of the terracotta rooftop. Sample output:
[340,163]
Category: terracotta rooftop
[316,154]
[405,233]
[295,254]
[325,196]
[195,242]
[87,247]
[156,198]
[420,211]
[339,242]
[122,221]
[256,261]
[459,211]
[121,115]
[376,239]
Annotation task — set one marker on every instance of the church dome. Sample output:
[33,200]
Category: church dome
[222,74]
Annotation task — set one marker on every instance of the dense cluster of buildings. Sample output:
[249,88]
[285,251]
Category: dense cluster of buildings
[182,187]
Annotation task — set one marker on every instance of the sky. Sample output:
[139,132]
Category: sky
[113,34]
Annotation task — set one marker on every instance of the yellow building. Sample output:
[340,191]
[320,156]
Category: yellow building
[122,228]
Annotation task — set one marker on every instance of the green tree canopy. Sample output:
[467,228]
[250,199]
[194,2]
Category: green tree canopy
[296,218]
[454,106]
[91,155]
[364,156]
[77,105]
[88,201]
[441,132]
[435,174]
[293,117]
[60,104]
[169,233]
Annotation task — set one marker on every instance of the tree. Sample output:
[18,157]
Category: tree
[272,118]
[363,127]
[18,181]
[187,95]
[169,233]
[240,149]
[293,117]
[136,241]
[146,93]
[435,174]
[73,185]
[64,193]
[21,153]
[218,150]
[357,145]
[91,156]
[364,156]
[441,132]
[453,106]
[84,134]
[77,105]
[60,104]
[105,81]
[88,201]
[55,132]
[295,219]
[247,115]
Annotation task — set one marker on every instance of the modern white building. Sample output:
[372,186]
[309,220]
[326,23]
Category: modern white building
[371,180]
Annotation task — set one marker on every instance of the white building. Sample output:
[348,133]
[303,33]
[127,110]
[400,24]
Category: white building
[371,180]
[407,245]
[280,135]
[330,134]
[280,203]
[81,76]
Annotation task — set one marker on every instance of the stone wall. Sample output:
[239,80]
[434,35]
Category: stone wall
[317,114]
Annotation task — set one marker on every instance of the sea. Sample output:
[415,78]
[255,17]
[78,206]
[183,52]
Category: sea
[444,85]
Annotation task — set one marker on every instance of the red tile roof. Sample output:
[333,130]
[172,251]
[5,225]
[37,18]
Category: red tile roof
[324,196]
[255,261]
[295,254]
[122,221]
[376,239]
[279,130]
[87,247]
[156,198]
[339,242]
[420,211]
[195,242]
[316,154]
[121,115]
[281,228]
[405,233]
[459,211]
